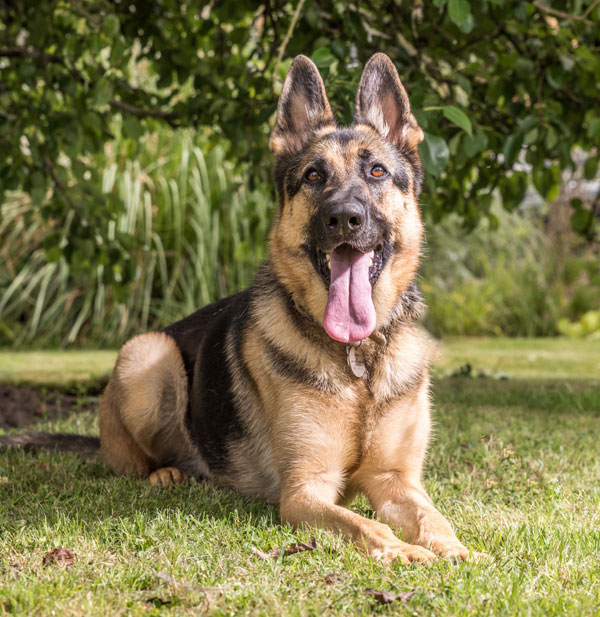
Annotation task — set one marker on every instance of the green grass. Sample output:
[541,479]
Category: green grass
[531,358]
[514,464]
[543,358]
[55,368]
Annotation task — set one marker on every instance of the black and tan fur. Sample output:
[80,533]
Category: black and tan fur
[252,393]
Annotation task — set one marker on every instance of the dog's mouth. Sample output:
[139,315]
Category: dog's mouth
[375,262]
[349,275]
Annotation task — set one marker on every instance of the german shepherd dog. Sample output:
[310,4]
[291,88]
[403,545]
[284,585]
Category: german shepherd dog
[311,385]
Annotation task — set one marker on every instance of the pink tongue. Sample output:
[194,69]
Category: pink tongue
[350,314]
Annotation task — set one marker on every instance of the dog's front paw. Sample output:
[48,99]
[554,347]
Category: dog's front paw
[454,550]
[404,553]
[385,546]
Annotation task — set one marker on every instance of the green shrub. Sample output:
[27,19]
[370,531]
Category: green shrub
[193,231]
[507,280]
[586,327]
[192,228]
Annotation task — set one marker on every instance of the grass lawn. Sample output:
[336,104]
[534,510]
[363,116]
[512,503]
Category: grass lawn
[51,367]
[515,465]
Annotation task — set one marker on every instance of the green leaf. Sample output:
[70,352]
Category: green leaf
[475,143]
[468,24]
[512,147]
[582,220]
[590,167]
[555,76]
[111,25]
[459,11]
[53,254]
[546,180]
[38,188]
[435,153]
[551,138]
[132,128]
[593,129]
[528,122]
[102,92]
[323,58]
[458,117]
[512,189]
[524,67]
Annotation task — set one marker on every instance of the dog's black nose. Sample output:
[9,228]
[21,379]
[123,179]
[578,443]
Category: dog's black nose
[344,219]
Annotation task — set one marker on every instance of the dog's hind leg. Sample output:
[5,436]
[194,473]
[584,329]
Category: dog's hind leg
[166,476]
[142,412]
[117,447]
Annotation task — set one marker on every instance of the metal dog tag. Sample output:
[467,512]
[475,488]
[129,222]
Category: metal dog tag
[356,359]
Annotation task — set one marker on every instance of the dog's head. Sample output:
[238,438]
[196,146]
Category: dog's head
[348,236]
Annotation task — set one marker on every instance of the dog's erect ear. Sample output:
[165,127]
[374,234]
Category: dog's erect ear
[382,102]
[303,107]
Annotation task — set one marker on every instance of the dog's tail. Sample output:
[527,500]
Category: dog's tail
[82,445]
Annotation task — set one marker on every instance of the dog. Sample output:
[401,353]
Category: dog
[313,384]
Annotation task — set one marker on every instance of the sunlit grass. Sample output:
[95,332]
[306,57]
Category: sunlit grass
[532,358]
[514,464]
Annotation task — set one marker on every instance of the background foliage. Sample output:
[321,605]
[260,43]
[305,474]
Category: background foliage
[100,175]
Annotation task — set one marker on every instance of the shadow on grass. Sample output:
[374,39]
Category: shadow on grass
[551,396]
[45,488]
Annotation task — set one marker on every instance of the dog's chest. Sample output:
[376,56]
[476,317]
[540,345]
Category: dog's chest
[381,374]
[382,397]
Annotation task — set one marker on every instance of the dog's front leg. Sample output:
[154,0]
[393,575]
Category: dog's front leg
[316,446]
[403,503]
[314,504]
[391,472]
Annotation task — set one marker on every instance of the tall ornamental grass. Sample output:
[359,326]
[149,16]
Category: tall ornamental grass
[197,233]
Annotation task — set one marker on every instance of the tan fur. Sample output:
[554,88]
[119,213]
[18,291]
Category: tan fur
[288,235]
[168,476]
[143,408]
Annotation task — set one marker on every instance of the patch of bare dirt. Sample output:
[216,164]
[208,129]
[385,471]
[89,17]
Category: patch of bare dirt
[22,406]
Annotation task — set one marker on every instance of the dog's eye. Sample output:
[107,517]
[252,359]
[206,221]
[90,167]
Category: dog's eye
[377,171]
[312,175]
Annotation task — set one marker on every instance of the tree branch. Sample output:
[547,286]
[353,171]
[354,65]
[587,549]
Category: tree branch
[140,112]
[288,35]
[58,184]
[40,56]
[24,52]
[590,8]
[546,9]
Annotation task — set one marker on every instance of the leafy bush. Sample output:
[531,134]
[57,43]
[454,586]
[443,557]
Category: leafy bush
[586,327]
[189,226]
[186,228]
[491,82]
[505,280]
